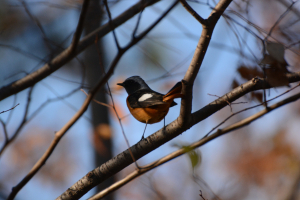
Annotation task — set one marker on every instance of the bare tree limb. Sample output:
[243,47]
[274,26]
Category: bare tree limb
[38,23]
[193,12]
[68,54]
[69,124]
[252,85]
[243,110]
[164,135]
[191,73]
[112,27]
[80,24]
[24,120]
[4,130]
[279,19]
[22,52]
[9,109]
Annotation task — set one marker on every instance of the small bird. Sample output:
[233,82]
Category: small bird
[145,104]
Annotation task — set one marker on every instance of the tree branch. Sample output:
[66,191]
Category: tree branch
[171,156]
[24,121]
[9,109]
[69,54]
[175,128]
[162,136]
[252,85]
[194,67]
[193,12]
[80,24]
[69,124]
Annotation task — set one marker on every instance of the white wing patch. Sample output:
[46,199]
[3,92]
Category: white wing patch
[144,97]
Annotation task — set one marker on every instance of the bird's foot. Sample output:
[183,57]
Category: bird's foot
[143,139]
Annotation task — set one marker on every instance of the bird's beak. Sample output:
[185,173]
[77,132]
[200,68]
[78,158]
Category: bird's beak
[121,84]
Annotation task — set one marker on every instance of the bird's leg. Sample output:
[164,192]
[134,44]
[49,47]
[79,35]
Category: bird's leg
[164,124]
[144,132]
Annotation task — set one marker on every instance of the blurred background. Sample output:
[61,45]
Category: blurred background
[260,161]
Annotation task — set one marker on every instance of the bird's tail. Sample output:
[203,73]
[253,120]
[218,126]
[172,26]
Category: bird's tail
[175,92]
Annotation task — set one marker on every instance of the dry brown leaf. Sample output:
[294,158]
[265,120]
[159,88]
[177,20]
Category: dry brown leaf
[268,60]
[276,50]
[249,72]
[234,84]
[276,77]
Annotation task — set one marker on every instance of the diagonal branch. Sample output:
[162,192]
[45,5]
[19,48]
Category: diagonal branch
[193,12]
[58,135]
[279,19]
[38,23]
[80,24]
[21,125]
[175,154]
[252,85]
[111,24]
[164,135]
[9,109]
[68,54]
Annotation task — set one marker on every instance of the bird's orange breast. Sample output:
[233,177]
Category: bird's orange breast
[150,115]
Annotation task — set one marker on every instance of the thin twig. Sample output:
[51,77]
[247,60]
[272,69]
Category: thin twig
[80,25]
[111,25]
[229,104]
[5,131]
[9,109]
[39,25]
[10,113]
[24,121]
[259,29]
[193,12]
[137,24]
[243,110]
[96,101]
[114,108]
[25,53]
[201,195]
[279,19]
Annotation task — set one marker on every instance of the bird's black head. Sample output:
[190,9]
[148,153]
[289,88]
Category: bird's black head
[133,84]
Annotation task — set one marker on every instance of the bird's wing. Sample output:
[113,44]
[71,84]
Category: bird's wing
[145,98]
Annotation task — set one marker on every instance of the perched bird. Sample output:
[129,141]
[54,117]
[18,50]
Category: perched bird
[146,105]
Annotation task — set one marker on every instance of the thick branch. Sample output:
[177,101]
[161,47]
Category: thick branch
[162,136]
[69,54]
[171,156]
[252,85]
[191,73]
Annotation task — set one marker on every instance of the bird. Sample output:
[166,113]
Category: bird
[147,105]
